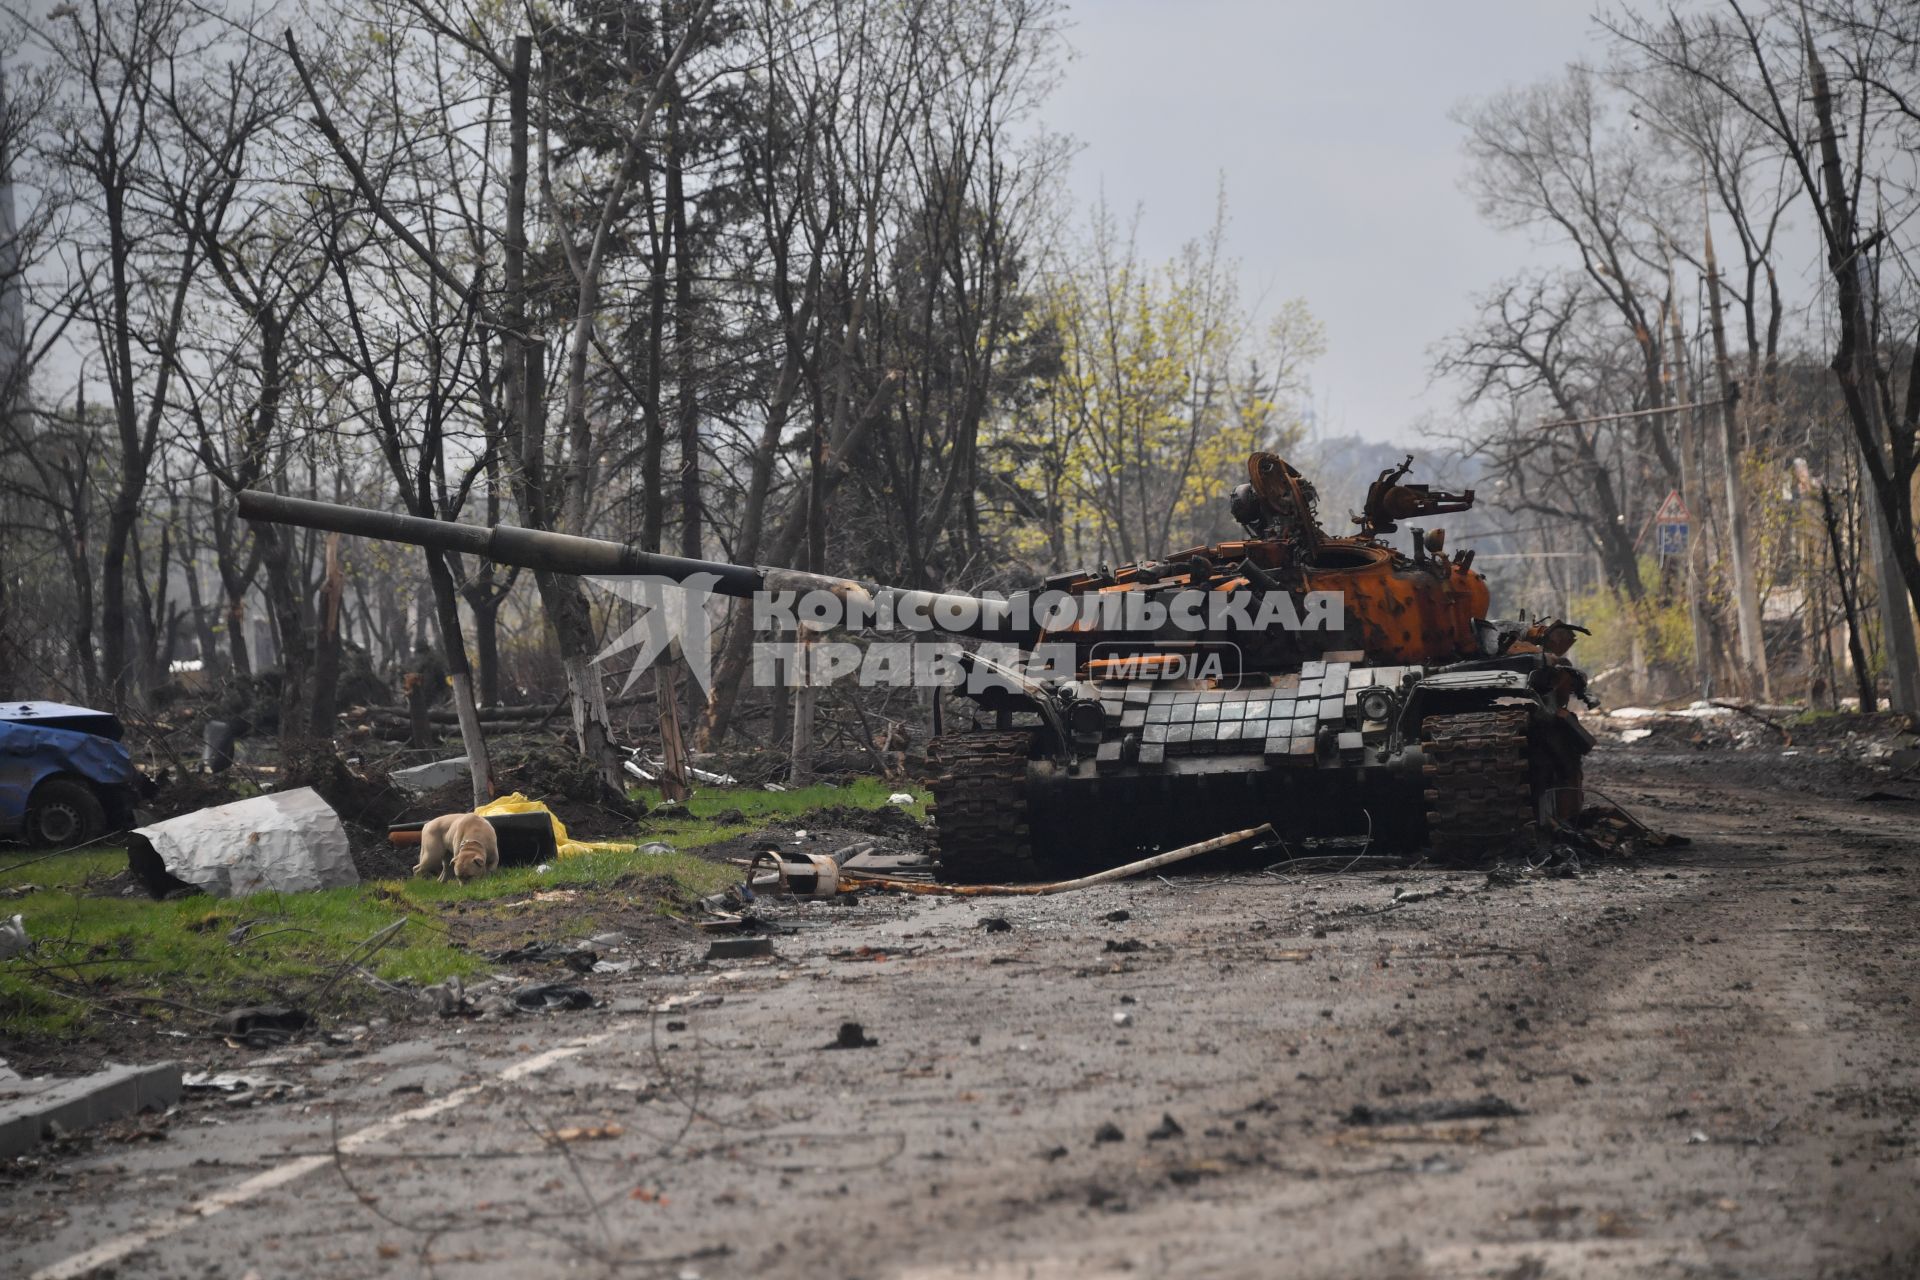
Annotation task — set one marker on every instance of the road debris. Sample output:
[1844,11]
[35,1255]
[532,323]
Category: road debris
[586,1133]
[739,948]
[13,937]
[1486,1107]
[1167,1128]
[258,1026]
[240,1090]
[851,1036]
[1109,1132]
[552,995]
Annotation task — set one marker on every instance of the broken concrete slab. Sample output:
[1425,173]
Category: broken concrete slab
[431,776]
[30,1110]
[286,842]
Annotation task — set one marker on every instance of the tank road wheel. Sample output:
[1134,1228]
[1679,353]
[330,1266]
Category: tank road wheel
[980,806]
[1478,782]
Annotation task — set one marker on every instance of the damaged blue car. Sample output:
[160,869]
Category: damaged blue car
[65,776]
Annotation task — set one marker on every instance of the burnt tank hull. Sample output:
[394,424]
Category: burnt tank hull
[1341,752]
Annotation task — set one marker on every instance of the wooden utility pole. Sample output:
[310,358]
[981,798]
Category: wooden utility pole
[1690,494]
[1753,641]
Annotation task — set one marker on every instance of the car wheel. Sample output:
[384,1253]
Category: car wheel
[64,813]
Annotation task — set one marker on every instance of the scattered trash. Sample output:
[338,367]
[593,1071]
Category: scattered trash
[552,995]
[876,954]
[448,998]
[1168,1128]
[992,924]
[13,937]
[1606,830]
[1486,1107]
[900,797]
[615,966]
[515,805]
[241,1090]
[542,869]
[852,1036]
[772,786]
[1109,1132]
[1119,917]
[1054,1153]
[806,875]
[282,842]
[655,846]
[1122,1019]
[1696,1138]
[433,775]
[728,922]
[739,948]
[534,953]
[691,1000]
[1125,946]
[586,1133]
[258,1026]
[1635,735]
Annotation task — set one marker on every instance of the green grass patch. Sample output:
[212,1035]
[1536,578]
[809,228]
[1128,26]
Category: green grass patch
[696,829]
[97,958]
[100,957]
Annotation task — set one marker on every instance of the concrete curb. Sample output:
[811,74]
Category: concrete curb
[82,1101]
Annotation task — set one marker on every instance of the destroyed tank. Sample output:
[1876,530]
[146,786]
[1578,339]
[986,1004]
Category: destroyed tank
[1348,693]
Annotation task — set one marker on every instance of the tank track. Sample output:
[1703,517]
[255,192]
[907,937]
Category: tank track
[980,806]
[1478,782]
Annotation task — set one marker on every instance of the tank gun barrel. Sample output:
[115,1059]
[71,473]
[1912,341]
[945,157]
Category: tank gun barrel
[598,557]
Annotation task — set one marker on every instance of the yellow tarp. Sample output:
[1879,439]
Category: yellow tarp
[565,845]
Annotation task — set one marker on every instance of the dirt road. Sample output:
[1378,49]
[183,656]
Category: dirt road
[1702,1063]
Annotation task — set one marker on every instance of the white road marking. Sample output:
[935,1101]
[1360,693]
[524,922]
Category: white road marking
[280,1175]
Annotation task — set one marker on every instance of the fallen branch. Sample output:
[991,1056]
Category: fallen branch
[1064,886]
[360,954]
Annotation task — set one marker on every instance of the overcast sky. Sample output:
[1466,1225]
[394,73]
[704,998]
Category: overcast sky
[1329,119]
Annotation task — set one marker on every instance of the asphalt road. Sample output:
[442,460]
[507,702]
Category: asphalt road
[1700,1063]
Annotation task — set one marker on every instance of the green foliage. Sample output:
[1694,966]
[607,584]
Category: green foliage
[1164,384]
[97,954]
[1663,625]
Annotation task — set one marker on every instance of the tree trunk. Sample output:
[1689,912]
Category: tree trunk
[326,664]
[446,602]
[1862,673]
[1889,500]
[1753,642]
[688,406]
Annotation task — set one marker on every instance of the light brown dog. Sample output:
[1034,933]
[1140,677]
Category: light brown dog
[458,844]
